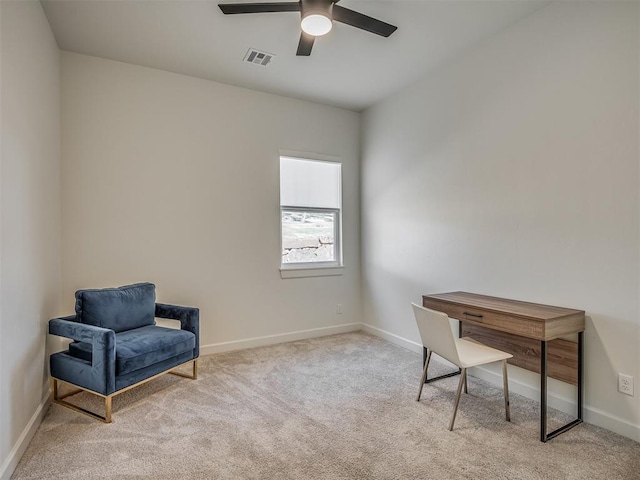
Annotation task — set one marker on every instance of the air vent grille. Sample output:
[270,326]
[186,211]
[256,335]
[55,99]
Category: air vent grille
[258,57]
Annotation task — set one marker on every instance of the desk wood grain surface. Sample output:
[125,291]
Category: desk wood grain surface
[532,320]
[517,327]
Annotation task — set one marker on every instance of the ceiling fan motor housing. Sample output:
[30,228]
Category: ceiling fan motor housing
[316,7]
[316,17]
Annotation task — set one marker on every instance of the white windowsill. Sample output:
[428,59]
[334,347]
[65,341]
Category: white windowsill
[303,272]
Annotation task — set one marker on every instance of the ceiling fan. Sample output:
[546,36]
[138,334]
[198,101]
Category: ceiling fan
[317,17]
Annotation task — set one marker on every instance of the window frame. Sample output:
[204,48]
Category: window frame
[312,269]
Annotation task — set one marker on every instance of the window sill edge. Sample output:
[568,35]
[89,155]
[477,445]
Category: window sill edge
[304,272]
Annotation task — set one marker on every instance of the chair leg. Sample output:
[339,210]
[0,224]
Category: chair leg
[60,400]
[194,374]
[465,382]
[455,407]
[424,375]
[506,390]
[107,409]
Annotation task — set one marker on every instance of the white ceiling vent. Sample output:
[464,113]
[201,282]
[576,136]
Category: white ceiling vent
[258,57]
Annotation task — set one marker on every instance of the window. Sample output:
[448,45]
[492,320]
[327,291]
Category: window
[310,204]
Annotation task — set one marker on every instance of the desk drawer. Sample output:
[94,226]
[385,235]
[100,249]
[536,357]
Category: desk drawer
[525,327]
[562,355]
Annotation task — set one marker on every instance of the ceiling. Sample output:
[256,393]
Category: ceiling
[348,68]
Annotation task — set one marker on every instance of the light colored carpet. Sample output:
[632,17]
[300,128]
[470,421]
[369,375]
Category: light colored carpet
[339,407]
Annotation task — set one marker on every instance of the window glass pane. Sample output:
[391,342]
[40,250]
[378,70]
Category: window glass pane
[308,236]
[309,183]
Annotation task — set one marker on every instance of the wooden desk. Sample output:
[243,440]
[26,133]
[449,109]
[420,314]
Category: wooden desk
[529,331]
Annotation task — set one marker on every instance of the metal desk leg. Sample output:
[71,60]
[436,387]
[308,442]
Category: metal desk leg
[544,437]
[580,373]
[543,391]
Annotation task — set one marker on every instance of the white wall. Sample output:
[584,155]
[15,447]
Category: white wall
[174,180]
[513,171]
[30,219]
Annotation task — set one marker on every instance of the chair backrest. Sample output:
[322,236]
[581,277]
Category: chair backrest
[119,309]
[436,334]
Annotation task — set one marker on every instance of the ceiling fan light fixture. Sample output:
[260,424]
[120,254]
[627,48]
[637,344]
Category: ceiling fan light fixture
[316,24]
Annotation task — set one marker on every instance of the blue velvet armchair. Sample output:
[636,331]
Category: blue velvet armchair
[117,344]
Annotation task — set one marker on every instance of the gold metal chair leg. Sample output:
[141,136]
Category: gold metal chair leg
[56,392]
[107,409]
[506,390]
[455,407]
[76,408]
[59,399]
[193,376]
[424,375]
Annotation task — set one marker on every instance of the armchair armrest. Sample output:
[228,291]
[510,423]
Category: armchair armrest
[65,327]
[189,320]
[103,365]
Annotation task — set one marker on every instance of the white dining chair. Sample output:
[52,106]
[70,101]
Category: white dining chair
[437,337]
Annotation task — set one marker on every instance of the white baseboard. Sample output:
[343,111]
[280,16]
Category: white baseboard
[393,338]
[401,341]
[592,415]
[554,400]
[11,462]
[278,338]
[595,416]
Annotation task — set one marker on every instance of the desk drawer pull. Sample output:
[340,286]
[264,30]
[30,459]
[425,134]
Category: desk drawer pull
[472,314]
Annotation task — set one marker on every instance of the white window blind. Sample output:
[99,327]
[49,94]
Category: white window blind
[310,183]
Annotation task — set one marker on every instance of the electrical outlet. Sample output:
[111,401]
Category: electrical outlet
[339,308]
[625,384]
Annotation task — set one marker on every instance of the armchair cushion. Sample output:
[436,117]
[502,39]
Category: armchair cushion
[142,347]
[117,309]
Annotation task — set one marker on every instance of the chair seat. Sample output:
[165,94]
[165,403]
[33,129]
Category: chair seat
[141,347]
[473,353]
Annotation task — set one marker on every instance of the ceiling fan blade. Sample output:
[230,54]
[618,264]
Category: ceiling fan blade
[305,45]
[233,8]
[364,22]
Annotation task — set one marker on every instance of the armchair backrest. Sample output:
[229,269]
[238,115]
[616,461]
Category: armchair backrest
[118,309]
